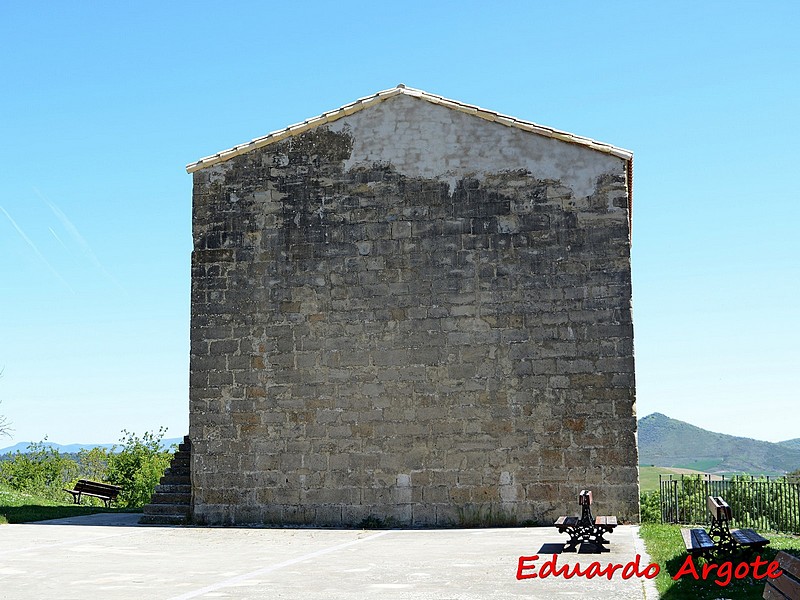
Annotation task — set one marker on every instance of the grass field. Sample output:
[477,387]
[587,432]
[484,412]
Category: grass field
[665,546]
[19,507]
[703,465]
[648,476]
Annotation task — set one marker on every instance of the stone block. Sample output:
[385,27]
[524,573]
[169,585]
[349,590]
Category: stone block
[401,229]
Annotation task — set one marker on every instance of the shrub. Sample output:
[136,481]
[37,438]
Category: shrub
[137,467]
[41,470]
[650,507]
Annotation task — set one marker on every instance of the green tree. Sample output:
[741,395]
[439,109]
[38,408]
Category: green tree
[41,470]
[93,463]
[137,467]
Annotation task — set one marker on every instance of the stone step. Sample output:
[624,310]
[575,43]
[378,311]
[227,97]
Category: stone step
[176,480]
[164,520]
[183,456]
[166,509]
[173,489]
[177,470]
[180,498]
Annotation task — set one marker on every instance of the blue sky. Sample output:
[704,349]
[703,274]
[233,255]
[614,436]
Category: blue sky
[103,105]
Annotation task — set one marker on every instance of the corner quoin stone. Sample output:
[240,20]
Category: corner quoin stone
[415,316]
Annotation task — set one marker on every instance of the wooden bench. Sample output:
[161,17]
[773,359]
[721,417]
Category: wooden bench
[585,528]
[105,491]
[787,586]
[719,538]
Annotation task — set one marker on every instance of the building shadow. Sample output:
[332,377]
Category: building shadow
[100,518]
[582,548]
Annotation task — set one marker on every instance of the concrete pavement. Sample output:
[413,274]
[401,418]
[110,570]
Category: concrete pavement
[111,556]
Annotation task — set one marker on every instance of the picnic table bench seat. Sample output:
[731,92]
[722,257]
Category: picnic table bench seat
[748,537]
[607,523]
[697,541]
[567,521]
[105,491]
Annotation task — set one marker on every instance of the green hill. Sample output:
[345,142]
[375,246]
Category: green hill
[795,443]
[666,442]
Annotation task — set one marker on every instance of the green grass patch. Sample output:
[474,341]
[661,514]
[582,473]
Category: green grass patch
[648,477]
[21,507]
[665,546]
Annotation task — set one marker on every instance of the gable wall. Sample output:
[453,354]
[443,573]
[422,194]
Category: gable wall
[411,315]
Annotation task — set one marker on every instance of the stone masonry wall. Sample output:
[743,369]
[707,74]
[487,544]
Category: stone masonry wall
[414,316]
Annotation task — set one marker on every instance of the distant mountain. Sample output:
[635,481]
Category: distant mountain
[75,448]
[666,442]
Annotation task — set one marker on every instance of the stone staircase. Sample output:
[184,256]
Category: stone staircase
[171,503]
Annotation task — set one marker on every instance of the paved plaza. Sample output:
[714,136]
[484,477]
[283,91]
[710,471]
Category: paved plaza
[110,556]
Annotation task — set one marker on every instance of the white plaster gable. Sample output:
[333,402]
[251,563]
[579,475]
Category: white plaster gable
[421,139]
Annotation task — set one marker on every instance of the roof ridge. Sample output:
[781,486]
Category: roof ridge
[361,103]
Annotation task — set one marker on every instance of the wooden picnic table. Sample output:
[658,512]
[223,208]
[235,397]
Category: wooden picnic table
[586,528]
[720,538]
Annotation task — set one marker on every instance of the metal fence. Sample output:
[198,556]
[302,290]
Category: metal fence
[765,503]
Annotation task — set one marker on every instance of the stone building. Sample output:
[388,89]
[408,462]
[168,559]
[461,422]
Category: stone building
[413,311]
